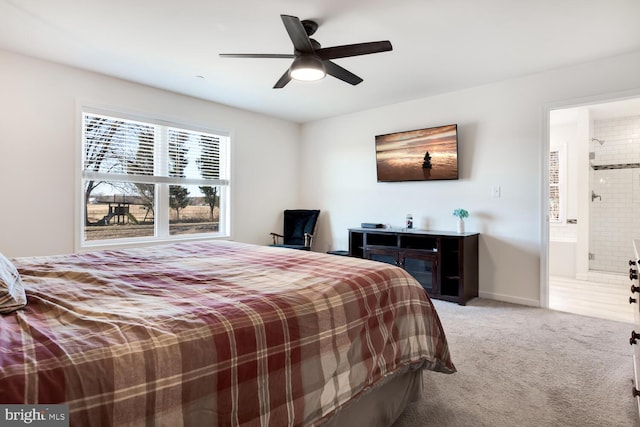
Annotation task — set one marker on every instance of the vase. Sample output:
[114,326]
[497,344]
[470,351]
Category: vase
[460,225]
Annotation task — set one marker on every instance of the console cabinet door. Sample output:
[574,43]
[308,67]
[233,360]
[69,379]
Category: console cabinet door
[388,255]
[423,267]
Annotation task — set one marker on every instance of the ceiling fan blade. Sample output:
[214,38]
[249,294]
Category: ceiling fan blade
[340,73]
[257,55]
[283,80]
[297,33]
[353,50]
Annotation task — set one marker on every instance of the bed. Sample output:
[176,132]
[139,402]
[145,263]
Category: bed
[217,333]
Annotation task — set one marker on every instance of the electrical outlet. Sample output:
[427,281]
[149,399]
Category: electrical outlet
[495,191]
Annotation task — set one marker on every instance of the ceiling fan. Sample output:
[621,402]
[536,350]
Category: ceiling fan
[310,61]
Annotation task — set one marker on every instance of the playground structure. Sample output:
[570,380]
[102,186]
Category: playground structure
[120,210]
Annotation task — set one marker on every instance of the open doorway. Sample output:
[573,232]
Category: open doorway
[593,206]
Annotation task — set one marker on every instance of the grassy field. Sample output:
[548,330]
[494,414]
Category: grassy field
[193,219]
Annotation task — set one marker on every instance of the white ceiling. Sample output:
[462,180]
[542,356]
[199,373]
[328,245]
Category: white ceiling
[438,45]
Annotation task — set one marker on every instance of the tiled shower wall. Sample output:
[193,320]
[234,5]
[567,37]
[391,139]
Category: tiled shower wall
[615,215]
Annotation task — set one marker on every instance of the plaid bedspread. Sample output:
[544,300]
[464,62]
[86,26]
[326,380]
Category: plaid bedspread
[212,333]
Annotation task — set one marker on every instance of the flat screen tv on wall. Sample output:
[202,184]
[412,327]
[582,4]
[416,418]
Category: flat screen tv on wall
[418,155]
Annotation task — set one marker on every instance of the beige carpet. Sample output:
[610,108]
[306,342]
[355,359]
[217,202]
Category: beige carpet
[525,366]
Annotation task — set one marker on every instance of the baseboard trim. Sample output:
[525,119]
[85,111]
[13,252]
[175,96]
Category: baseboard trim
[509,298]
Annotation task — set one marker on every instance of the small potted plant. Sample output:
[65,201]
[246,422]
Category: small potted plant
[461,214]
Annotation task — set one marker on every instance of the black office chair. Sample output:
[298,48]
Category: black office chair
[299,228]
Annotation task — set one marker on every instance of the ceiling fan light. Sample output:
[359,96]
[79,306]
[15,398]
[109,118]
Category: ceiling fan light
[307,68]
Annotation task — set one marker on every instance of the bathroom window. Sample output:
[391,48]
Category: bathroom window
[557,194]
[554,187]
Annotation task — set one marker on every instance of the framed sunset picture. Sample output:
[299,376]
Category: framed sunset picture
[418,155]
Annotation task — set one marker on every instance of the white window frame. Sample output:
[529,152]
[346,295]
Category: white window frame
[561,149]
[161,234]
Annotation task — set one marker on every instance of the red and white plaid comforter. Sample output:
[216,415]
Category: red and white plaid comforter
[212,333]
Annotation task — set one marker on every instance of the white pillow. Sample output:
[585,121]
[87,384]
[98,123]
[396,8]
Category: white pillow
[12,296]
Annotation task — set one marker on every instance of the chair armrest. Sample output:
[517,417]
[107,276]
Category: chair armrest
[308,239]
[275,236]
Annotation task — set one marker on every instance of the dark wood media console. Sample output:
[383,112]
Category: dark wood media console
[445,263]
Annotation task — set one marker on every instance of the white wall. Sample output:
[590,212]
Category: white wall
[501,144]
[38,131]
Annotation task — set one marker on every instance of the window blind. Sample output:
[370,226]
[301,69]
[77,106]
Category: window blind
[118,149]
[554,186]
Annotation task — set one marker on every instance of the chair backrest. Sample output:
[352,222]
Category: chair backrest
[297,222]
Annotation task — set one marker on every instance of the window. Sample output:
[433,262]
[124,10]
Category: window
[151,181]
[556,185]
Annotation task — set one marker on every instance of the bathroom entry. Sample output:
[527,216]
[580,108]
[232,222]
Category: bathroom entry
[594,203]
